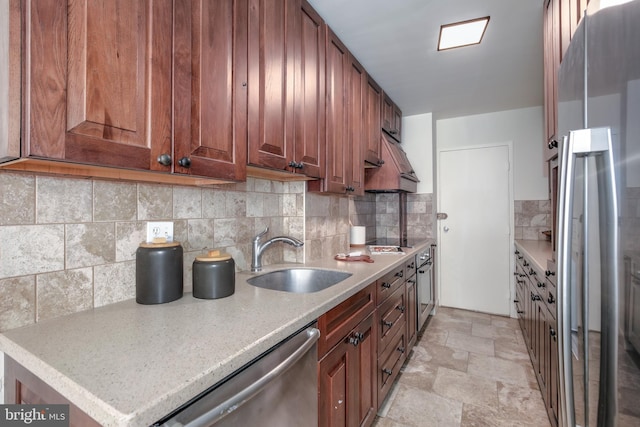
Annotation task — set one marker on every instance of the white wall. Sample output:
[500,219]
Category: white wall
[523,127]
[417,142]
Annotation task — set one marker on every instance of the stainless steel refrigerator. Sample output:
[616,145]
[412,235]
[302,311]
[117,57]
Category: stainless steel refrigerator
[598,252]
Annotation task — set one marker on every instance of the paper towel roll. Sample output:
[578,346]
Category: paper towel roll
[358,234]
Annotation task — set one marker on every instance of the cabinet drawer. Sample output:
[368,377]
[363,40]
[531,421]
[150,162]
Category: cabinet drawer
[410,268]
[389,364]
[391,318]
[335,324]
[389,283]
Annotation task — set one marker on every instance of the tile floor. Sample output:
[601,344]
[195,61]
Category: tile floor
[467,369]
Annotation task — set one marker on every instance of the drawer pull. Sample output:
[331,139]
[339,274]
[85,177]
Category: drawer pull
[386,285]
[400,349]
[516,300]
[387,323]
[400,274]
[549,273]
[400,308]
[354,341]
[541,285]
[387,371]
[551,299]
[520,312]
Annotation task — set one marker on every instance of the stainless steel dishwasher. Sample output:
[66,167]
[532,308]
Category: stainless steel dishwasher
[279,388]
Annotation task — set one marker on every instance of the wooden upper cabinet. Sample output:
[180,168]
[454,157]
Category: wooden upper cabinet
[373,99]
[271,63]
[356,125]
[210,87]
[391,117]
[310,91]
[97,90]
[337,139]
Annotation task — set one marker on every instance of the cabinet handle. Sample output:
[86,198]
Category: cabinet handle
[551,299]
[185,162]
[522,275]
[549,273]
[535,297]
[532,272]
[552,144]
[400,349]
[400,308]
[400,274]
[354,340]
[541,285]
[517,252]
[520,257]
[525,263]
[296,165]
[164,159]
[386,285]
[387,323]
[520,312]
[380,162]
[552,332]
[411,281]
[516,300]
[387,371]
[359,335]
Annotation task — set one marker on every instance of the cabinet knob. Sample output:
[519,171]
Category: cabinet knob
[185,162]
[516,301]
[400,274]
[520,312]
[380,162]
[549,273]
[401,308]
[552,332]
[551,299]
[532,272]
[164,159]
[401,349]
[386,285]
[552,144]
[359,335]
[387,371]
[354,341]
[541,285]
[387,323]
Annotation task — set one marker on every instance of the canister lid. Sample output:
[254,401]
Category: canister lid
[214,255]
[159,242]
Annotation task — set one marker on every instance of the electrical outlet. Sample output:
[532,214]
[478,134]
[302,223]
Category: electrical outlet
[158,230]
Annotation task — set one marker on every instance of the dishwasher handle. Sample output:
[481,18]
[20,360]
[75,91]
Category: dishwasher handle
[236,401]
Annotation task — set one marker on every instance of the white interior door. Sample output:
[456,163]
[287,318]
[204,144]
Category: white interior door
[475,239]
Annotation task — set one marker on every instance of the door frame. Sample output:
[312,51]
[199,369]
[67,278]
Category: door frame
[509,145]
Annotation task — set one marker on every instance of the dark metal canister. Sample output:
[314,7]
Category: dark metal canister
[214,275]
[159,272]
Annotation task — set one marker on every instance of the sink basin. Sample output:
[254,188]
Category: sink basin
[298,280]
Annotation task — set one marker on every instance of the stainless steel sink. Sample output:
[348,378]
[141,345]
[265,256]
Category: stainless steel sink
[298,280]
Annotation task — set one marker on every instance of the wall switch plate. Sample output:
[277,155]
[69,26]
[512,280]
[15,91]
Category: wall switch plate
[158,230]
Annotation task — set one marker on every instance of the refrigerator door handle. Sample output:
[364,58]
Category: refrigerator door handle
[565,212]
[589,142]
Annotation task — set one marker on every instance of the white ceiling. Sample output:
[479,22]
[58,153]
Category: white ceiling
[395,40]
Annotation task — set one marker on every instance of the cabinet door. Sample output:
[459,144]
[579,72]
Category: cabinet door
[552,52]
[365,353]
[337,79]
[397,123]
[387,113]
[97,81]
[347,379]
[271,62]
[310,91]
[211,88]
[372,122]
[356,127]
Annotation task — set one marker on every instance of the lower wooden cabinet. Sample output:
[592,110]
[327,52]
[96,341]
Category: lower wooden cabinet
[346,379]
[23,387]
[536,308]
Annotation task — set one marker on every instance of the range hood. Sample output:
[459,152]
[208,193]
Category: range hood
[395,175]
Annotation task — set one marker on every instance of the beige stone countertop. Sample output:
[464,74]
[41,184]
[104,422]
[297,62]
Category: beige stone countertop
[537,251]
[128,364]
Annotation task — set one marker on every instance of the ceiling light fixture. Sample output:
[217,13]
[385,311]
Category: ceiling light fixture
[464,33]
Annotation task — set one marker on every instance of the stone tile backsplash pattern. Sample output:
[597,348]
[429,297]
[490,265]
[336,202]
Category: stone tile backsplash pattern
[69,244]
[532,217]
[327,225]
[379,213]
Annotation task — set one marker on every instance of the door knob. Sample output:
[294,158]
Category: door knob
[446,229]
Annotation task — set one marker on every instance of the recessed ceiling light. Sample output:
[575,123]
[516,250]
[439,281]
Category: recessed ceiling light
[463,33]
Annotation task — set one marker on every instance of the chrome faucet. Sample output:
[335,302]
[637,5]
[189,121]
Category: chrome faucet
[258,249]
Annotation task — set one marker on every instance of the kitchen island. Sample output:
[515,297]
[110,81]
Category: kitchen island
[128,364]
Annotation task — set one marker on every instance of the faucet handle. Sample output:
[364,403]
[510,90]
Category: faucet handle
[262,233]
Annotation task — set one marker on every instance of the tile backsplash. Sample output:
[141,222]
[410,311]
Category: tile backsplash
[69,244]
[532,217]
[379,213]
